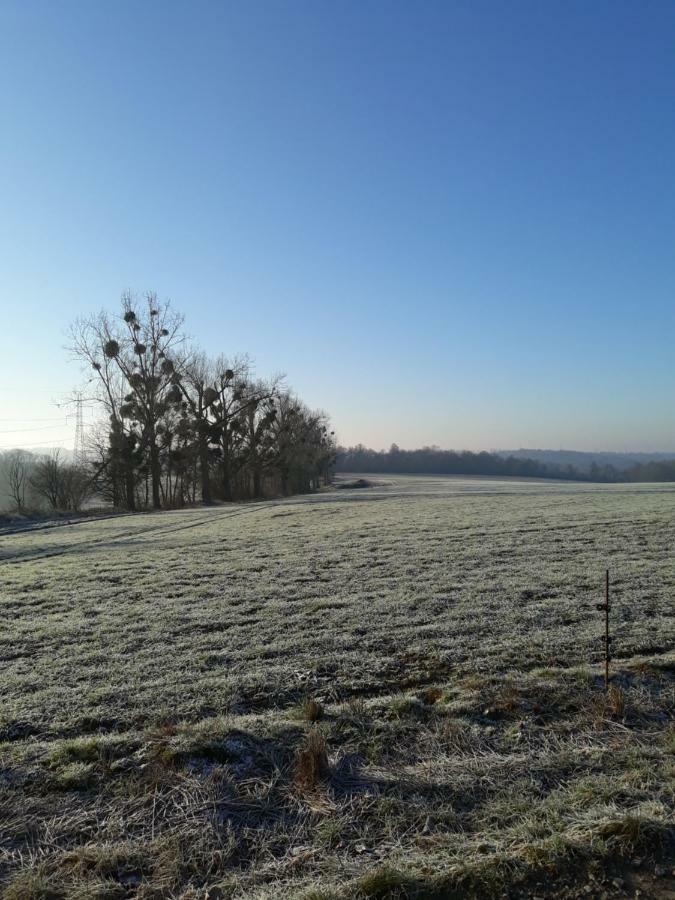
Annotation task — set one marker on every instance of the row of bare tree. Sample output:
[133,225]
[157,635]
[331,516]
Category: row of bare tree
[29,481]
[181,427]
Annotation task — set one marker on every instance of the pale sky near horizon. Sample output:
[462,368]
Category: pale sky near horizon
[448,223]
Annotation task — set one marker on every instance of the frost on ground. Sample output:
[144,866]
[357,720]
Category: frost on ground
[378,693]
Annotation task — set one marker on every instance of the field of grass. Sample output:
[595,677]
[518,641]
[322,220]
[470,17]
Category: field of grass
[384,692]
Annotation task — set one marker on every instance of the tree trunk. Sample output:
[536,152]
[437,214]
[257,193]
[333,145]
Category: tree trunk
[225,468]
[156,474]
[115,483]
[129,486]
[204,468]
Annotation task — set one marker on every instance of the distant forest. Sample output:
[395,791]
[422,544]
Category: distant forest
[584,459]
[434,461]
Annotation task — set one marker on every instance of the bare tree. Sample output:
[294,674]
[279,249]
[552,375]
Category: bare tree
[245,410]
[63,485]
[136,357]
[91,342]
[196,391]
[46,479]
[75,487]
[17,472]
[147,357]
[221,398]
[301,449]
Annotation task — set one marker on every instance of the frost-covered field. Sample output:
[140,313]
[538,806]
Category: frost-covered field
[157,674]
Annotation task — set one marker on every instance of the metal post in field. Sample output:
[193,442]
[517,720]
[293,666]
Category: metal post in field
[604,607]
[607,638]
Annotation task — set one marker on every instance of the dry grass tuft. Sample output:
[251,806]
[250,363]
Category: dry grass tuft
[616,701]
[504,702]
[633,832]
[384,883]
[32,886]
[312,710]
[405,706]
[431,695]
[311,765]
[670,740]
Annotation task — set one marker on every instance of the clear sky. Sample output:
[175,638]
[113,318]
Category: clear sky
[446,222]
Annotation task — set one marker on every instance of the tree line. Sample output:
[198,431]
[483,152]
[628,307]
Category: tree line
[31,481]
[434,461]
[181,427]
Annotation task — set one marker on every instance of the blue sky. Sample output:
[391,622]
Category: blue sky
[446,222]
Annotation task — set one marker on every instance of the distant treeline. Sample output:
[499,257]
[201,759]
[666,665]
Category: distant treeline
[584,459]
[35,483]
[434,461]
[663,470]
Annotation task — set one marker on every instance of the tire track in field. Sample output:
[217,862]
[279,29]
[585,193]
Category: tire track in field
[29,555]
[157,529]
[32,527]
[163,528]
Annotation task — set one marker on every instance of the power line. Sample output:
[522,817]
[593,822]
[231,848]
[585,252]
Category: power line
[40,428]
[53,391]
[37,444]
